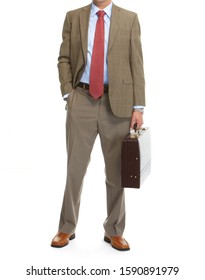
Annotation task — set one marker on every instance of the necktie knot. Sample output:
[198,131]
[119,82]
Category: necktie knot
[100,13]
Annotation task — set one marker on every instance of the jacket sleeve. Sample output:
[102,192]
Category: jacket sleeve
[137,64]
[64,63]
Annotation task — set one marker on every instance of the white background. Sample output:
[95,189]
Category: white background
[165,218]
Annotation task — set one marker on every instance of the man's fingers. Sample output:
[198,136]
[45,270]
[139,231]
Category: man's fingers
[137,118]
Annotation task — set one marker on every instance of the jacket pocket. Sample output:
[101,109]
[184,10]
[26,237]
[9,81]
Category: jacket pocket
[128,80]
[69,100]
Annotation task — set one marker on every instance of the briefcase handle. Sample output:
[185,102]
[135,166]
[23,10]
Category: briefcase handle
[135,133]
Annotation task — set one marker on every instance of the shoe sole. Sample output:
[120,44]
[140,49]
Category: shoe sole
[61,246]
[106,239]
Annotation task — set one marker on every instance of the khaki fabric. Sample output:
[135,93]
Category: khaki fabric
[109,117]
[86,118]
[125,61]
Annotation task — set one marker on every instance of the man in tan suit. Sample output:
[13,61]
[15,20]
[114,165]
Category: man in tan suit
[110,113]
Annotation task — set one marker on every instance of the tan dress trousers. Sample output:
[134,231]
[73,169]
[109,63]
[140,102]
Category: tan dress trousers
[86,118]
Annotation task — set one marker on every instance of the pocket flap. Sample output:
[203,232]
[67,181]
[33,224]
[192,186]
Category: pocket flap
[128,80]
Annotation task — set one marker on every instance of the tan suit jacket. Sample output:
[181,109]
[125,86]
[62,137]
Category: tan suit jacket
[125,62]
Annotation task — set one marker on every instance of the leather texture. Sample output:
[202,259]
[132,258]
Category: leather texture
[135,160]
[61,239]
[117,242]
[87,87]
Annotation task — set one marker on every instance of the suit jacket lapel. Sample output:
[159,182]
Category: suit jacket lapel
[114,25]
[84,22]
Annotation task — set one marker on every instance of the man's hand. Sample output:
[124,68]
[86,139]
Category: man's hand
[137,117]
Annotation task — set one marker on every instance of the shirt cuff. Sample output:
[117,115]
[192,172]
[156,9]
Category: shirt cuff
[138,107]
[65,96]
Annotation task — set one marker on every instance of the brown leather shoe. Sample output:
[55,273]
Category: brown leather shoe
[61,239]
[117,242]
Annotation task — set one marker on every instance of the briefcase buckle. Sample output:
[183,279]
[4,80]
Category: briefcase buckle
[137,133]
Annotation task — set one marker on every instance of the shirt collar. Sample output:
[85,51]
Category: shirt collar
[107,10]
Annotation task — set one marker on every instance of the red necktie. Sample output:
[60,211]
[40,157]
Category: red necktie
[97,62]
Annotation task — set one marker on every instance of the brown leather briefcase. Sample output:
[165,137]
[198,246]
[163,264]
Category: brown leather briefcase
[136,158]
